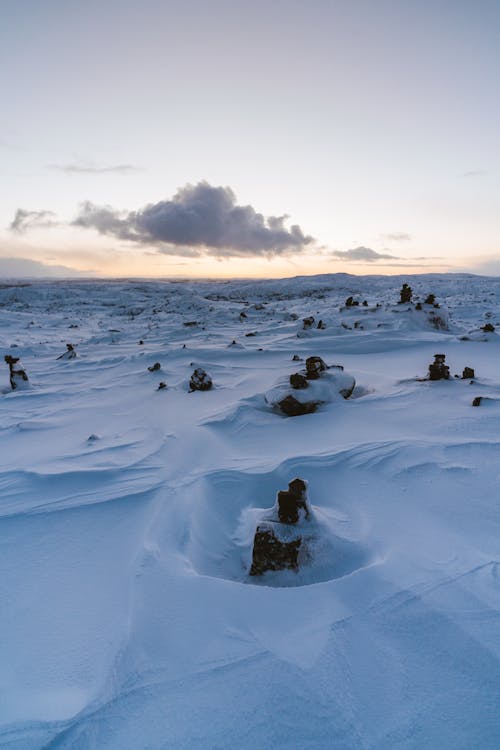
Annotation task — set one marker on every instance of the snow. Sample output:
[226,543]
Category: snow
[127,513]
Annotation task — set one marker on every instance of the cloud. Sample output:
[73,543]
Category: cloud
[95,169]
[26,220]
[199,220]
[14,268]
[398,237]
[362,254]
[475,173]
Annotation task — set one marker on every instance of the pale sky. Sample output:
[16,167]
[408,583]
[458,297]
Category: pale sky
[372,124]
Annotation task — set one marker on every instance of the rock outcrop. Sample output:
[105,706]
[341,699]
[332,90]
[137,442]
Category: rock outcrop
[281,542]
[405,294]
[303,391]
[18,376]
[70,352]
[438,370]
[200,380]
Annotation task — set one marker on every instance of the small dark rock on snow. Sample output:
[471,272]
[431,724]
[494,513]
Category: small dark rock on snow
[297,380]
[18,374]
[405,294]
[293,408]
[70,352]
[438,370]
[200,380]
[314,366]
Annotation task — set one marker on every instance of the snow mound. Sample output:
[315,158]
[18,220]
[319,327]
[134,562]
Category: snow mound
[332,385]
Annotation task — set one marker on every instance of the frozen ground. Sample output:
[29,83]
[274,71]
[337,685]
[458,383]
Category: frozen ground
[127,616]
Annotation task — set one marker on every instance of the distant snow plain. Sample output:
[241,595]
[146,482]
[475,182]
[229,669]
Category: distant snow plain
[127,615]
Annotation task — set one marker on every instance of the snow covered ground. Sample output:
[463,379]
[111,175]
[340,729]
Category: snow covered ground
[127,615]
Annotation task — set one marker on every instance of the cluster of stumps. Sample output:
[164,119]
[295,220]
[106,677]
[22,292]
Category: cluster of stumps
[438,370]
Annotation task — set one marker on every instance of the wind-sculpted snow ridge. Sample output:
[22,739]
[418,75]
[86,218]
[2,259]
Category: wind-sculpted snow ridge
[129,617]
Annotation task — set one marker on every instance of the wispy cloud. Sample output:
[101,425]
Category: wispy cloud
[397,237]
[475,173]
[26,220]
[199,220]
[96,168]
[362,255]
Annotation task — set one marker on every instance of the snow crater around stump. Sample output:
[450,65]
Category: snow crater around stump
[232,540]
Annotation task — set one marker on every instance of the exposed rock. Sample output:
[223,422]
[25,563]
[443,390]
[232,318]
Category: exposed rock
[294,408]
[296,358]
[279,540]
[190,323]
[314,366]
[321,326]
[200,380]
[468,373]
[365,303]
[297,380]
[291,501]
[438,322]
[271,553]
[308,322]
[351,302]
[418,306]
[488,328]
[303,391]
[141,343]
[155,367]
[477,401]
[251,333]
[438,370]
[161,385]
[18,376]
[405,294]
[69,353]
[430,299]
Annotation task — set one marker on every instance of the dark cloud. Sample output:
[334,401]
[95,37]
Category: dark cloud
[200,219]
[398,237]
[25,220]
[95,169]
[362,254]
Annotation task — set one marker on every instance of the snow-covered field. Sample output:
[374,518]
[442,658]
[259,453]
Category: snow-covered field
[128,619]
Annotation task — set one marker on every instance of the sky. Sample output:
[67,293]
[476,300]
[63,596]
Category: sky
[266,138]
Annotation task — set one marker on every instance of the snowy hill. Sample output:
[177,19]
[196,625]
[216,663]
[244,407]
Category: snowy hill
[127,512]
